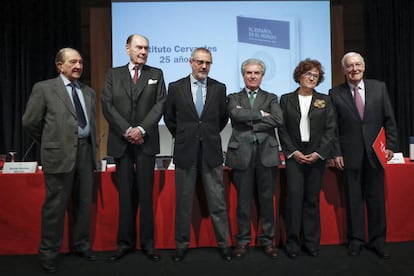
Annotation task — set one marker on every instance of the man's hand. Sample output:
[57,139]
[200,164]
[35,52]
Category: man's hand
[311,158]
[339,162]
[134,136]
[389,154]
[299,157]
[265,114]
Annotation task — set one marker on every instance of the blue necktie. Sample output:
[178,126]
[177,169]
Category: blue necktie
[199,98]
[78,107]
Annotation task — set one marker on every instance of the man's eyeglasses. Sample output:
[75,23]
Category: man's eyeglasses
[310,75]
[351,66]
[201,62]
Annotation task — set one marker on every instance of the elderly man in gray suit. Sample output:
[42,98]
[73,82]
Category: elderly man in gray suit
[253,154]
[60,116]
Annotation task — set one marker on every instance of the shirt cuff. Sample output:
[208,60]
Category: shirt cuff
[142,130]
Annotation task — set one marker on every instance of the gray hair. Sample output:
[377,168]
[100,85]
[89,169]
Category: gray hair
[201,49]
[253,61]
[60,56]
[349,54]
[130,37]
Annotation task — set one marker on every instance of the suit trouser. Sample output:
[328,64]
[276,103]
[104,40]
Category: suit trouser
[304,182]
[59,187]
[264,180]
[365,187]
[185,183]
[135,182]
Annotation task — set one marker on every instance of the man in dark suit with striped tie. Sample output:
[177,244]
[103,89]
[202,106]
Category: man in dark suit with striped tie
[362,109]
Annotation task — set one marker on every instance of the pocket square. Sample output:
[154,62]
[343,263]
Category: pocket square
[151,81]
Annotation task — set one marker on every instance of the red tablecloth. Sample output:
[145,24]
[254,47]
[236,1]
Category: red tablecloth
[21,198]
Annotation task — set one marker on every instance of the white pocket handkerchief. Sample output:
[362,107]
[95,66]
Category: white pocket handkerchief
[151,81]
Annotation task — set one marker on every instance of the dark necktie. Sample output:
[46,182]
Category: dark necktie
[135,78]
[358,102]
[252,97]
[199,98]
[78,107]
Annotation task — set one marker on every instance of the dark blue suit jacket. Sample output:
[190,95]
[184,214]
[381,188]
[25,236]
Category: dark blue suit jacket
[356,136]
[182,120]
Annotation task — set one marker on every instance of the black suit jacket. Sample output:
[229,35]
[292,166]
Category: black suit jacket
[124,107]
[181,118]
[322,124]
[355,134]
[248,121]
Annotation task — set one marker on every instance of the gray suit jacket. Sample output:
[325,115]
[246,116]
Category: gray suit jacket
[50,119]
[124,107]
[248,121]
[322,124]
[355,136]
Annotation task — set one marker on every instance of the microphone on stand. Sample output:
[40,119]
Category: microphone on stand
[28,150]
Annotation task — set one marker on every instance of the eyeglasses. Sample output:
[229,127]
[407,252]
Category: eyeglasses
[310,75]
[351,66]
[201,62]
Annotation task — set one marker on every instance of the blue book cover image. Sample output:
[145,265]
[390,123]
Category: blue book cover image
[272,33]
[274,41]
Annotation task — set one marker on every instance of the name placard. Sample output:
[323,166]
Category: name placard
[398,158]
[412,148]
[19,167]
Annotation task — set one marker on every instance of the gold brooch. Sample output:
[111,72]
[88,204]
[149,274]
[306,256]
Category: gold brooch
[319,103]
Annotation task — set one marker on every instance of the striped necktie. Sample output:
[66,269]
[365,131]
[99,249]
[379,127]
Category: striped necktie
[359,102]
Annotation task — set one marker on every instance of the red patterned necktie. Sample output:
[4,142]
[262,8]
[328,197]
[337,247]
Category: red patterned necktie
[135,78]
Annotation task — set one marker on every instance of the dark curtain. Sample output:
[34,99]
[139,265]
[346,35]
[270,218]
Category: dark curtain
[389,32]
[32,32]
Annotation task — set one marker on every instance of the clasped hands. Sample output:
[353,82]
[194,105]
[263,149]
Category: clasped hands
[134,136]
[305,159]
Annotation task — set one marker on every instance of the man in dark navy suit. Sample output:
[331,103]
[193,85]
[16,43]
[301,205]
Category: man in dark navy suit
[362,109]
[195,114]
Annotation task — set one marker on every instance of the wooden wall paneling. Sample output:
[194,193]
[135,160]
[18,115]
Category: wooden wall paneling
[337,44]
[100,62]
